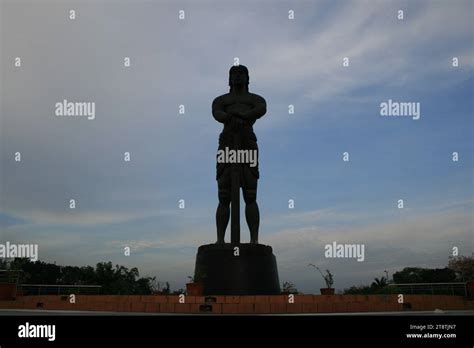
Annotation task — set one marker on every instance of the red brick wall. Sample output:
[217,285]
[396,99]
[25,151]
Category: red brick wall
[241,304]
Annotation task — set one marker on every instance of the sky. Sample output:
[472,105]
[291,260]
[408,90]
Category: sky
[185,62]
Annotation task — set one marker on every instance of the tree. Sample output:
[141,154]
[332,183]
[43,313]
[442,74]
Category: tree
[159,287]
[359,290]
[379,283]
[113,280]
[463,267]
[3,264]
[424,275]
[289,287]
[371,290]
[378,286]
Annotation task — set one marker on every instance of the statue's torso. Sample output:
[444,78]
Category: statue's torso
[248,139]
[243,103]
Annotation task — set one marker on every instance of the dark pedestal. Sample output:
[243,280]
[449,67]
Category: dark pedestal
[253,272]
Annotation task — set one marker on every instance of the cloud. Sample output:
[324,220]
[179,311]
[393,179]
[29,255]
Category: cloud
[434,233]
[425,240]
[383,51]
[77,218]
[326,214]
[9,221]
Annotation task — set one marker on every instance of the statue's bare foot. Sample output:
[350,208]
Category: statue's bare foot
[220,241]
[253,241]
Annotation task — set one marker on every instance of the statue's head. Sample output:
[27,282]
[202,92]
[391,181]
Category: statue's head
[239,75]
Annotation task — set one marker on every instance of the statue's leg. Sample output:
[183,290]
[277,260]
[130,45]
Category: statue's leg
[223,209]
[252,214]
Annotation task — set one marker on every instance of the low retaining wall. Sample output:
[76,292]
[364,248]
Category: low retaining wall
[242,304]
[7,291]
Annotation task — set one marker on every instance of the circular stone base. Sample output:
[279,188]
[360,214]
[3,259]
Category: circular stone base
[249,270]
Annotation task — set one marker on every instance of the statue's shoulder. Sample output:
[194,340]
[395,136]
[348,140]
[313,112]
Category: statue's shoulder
[221,98]
[257,98]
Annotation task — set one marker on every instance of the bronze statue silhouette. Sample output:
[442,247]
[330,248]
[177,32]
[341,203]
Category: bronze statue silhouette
[237,268]
[238,110]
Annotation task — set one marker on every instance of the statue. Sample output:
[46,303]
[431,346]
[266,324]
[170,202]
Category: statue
[238,110]
[237,268]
